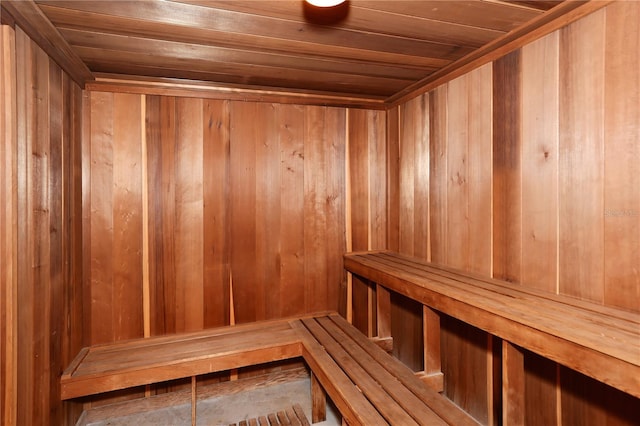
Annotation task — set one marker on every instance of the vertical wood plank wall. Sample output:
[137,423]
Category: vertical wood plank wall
[40,233]
[368,203]
[138,215]
[534,164]
[408,221]
[8,228]
[239,193]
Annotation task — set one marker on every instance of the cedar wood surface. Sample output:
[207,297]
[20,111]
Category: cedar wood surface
[248,223]
[368,386]
[381,54]
[41,271]
[579,198]
[378,50]
[581,335]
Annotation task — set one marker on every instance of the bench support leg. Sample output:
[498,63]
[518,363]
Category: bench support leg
[383,314]
[194,400]
[512,384]
[432,374]
[318,401]
[383,319]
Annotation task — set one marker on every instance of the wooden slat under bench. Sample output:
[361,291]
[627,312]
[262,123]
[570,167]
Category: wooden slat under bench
[601,342]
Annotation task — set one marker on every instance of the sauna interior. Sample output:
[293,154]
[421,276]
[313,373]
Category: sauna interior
[171,167]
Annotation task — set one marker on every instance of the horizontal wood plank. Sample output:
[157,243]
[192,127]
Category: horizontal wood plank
[198,89]
[180,32]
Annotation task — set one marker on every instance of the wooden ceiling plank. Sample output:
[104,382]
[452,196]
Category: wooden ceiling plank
[367,20]
[29,17]
[381,49]
[497,16]
[128,63]
[273,84]
[558,17]
[216,55]
[66,18]
[230,23]
[535,4]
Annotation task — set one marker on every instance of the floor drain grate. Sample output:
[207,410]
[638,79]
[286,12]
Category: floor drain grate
[293,416]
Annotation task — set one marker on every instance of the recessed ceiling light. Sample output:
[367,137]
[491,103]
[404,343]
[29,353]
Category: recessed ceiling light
[325,12]
[325,3]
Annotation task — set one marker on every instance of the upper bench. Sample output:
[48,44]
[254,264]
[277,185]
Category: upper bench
[598,341]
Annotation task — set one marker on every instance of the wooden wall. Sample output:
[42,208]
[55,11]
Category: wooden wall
[138,215]
[367,201]
[40,232]
[528,169]
[142,215]
[187,196]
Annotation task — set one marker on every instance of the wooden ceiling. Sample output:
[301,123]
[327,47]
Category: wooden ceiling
[381,50]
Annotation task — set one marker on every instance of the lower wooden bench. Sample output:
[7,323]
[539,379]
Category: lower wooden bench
[120,365]
[367,385]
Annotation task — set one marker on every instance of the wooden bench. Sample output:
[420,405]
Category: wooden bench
[368,386]
[120,365]
[598,341]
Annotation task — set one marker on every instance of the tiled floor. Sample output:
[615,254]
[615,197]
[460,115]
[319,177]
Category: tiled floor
[226,409]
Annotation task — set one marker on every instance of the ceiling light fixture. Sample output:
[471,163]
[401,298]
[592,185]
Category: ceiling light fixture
[325,12]
[325,3]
